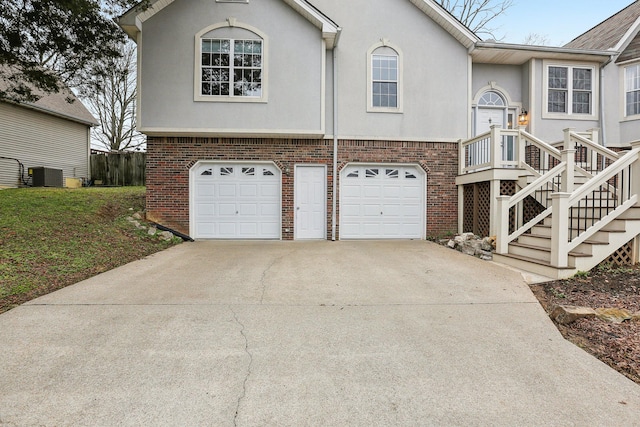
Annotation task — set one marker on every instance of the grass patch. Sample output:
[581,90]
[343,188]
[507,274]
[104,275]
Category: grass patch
[51,238]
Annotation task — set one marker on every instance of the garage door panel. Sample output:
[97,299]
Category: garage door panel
[205,210]
[227,229]
[236,201]
[248,209]
[371,191]
[371,210]
[205,190]
[270,209]
[269,190]
[387,204]
[226,209]
[248,190]
[227,190]
[350,190]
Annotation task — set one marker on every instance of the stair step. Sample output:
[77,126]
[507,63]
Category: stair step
[589,241]
[535,261]
[535,266]
[543,249]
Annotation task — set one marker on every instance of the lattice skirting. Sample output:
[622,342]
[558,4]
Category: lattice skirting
[623,256]
[477,208]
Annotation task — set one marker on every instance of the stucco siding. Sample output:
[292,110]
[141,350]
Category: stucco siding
[435,71]
[294,63]
[40,140]
[551,129]
[508,78]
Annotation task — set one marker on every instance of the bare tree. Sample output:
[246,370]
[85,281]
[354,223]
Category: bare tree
[537,39]
[477,15]
[111,97]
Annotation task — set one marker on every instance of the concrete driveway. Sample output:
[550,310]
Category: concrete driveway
[301,334]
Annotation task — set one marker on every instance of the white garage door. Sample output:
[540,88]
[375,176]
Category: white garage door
[382,202]
[235,201]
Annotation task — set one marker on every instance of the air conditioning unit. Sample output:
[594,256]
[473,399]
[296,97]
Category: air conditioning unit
[46,177]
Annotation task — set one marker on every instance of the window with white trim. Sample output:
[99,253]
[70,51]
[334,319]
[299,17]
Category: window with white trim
[231,68]
[384,73]
[632,90]
[570,89]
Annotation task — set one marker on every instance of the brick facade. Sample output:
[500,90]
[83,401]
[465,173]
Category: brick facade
[169,160]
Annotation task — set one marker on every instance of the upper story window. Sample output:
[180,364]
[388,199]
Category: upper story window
[230,64]
[384,72]
[231,67]
[384,69]
[570,90]
[632,90]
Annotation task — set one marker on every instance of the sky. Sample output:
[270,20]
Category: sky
[559,20]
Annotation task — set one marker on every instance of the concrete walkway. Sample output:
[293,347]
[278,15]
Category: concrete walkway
[301,334]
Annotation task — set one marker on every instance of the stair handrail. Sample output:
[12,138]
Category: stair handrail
[505,203]
[600,149]
[562,242]
[543,146]
[601,178]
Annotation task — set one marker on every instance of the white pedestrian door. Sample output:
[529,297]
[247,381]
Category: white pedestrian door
[310,202]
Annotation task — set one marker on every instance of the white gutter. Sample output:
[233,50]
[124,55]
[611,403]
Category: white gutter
[335,137]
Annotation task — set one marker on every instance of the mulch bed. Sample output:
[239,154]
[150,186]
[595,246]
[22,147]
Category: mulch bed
[617,345]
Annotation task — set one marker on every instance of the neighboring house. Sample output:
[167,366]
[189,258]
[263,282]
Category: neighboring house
[333,119]
[51,133]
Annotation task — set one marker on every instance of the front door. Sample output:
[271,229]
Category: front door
[310,202]
[488,117]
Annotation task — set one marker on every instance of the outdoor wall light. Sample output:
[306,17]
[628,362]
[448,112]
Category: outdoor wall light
[523,118]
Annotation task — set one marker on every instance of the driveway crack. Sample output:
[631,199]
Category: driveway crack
[243,392]
[266,270]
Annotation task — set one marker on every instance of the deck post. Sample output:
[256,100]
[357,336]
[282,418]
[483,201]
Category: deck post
[560,230]
[502,226]
[568,176]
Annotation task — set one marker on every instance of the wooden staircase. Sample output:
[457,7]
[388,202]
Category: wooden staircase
[587,200]
[532,251]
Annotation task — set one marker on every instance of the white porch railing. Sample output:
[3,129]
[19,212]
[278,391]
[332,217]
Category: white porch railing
[577,213]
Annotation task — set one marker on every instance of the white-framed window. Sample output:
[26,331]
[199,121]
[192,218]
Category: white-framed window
[384,76]
[230,69]
[632,90]
[570,90]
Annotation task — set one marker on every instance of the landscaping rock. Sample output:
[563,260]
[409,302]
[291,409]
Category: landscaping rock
[152,231]
[166,235]
[613,315]
[137,215]
[565,314]
[470,244]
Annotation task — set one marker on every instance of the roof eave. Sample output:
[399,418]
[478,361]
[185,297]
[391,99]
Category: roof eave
[453,26]
[528,52]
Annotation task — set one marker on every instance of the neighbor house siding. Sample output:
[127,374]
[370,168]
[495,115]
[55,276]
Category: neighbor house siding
[41,140]
[169,161]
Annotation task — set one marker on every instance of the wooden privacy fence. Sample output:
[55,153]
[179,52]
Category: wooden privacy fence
[122,169]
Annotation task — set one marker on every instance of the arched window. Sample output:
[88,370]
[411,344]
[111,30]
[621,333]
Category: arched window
[230,64]
[491,99]
[384,93]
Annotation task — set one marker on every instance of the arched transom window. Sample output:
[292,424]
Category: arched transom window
[491,99]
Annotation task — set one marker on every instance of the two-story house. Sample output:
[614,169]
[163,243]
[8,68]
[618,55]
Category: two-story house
[331,119]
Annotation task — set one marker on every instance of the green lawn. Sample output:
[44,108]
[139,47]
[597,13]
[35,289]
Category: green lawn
[51,238]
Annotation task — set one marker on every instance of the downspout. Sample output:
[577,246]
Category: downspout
[334,182]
